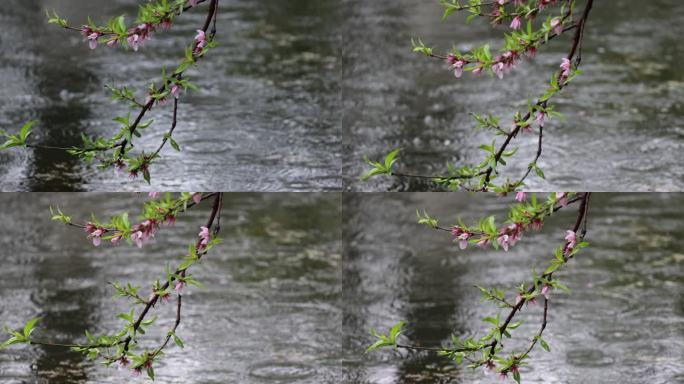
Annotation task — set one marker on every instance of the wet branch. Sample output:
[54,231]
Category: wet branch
[574,53]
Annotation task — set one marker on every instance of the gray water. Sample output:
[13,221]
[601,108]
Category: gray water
[623,322]
[269,311]
[263,120]
[623,130]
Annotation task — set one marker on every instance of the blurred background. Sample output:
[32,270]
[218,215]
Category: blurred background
[264,119]
[269,311]
[623,322]
[624,114]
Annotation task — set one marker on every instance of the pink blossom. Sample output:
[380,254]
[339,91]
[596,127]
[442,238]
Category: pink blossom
[170,219]
[515,24]
[90,228]
[483,243]
[478,70]
[503,376]
[92,39]
[137,238]
[488,367]
[536,224]
[520,197]
[540,118]
[122,363]
[145,31]
[176,90]
[179,286]
[502,2]
[201,41]
[119,166]
[164,297]
[134,41]
[562,198]
[532,301]
[204,236]
[557,26]
[117,238]
[565,66]
[546,289]
[518,299]
[531,52]
[458,68]
[463,240]
[86,31]
[153,195]
[166,24]
[113,43]
[498,69]
[143,231]
[570,238]
[503,241]
[95,233]
[197,197]
[136,372]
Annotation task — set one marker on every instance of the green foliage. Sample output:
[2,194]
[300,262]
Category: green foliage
[425,219]
[387,340]
[17,140]
[384,168]
[20,337]
[420,47]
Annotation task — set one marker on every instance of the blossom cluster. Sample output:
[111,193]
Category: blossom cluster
[153,16]
[508,235]
[157,213]
[518,44]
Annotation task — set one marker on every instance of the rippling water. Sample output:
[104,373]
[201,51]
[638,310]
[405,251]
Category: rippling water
[268,313]
[265,118]
[624,115]
[623,322]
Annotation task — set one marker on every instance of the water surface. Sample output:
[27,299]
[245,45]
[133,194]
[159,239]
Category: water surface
[269,312]
[263,120]
[623,130]
[623,322]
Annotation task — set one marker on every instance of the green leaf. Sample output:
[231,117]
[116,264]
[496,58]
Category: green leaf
[544,345]
[376,345]
[390,159]
[396,331]
[174,144]
[178,341]
[28,328]
[26,131]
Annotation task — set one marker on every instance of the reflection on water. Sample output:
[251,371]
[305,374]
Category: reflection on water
[263,120]
[623,322]
[623,128]
[268,312]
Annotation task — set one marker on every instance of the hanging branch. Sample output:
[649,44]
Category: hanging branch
[116,151]
[518,43]
[490,345]
[117,348]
